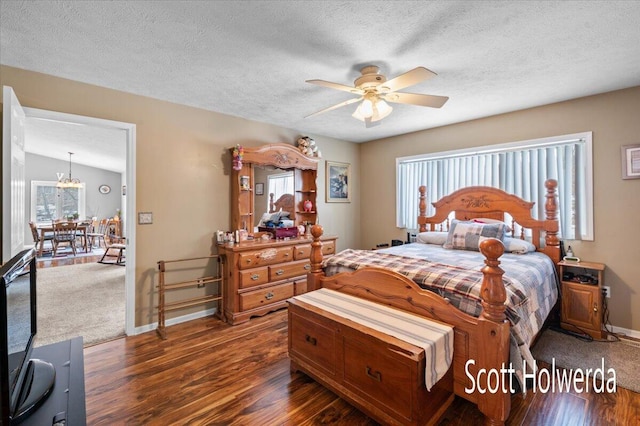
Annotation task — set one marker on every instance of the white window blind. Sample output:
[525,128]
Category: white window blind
[519,168]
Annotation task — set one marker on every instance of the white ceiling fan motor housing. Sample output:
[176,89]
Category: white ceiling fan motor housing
[370,78]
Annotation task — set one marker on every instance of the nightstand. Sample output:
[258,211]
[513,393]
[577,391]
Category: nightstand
[582,297]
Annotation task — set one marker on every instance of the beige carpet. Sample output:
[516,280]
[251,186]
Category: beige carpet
[85,300]
[570,352]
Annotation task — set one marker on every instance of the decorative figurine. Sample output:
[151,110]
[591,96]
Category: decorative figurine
[238,153]
[308,206]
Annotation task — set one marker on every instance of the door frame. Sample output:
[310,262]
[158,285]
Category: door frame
[130,196]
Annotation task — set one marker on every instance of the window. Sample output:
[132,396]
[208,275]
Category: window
[49,202]
[519,168]
[279,184]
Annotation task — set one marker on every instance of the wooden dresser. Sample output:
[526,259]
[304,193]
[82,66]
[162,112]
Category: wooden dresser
[261,276]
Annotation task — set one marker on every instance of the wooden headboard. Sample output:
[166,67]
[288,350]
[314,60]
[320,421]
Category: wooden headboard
[285,202]
[487,202]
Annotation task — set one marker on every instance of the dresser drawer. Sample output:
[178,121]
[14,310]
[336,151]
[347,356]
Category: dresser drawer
[288,270]
[268,256]
[328,247]
[300,286]
[375,372]
[253,277]
[265,296]
[302,251]
[313,342]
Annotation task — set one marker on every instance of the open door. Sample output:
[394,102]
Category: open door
[13,175]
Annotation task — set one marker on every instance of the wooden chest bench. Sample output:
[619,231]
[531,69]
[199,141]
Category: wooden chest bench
[381,375]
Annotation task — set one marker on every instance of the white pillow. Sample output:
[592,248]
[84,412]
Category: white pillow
[433,237]
[516,245]
[265,218]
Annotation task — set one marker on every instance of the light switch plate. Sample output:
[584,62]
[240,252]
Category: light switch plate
[145,218]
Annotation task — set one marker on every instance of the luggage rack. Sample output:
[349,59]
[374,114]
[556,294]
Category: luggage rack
[199,282]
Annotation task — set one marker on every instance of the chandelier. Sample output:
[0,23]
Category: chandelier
[69,182]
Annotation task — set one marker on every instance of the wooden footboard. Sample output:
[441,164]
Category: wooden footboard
[480,343]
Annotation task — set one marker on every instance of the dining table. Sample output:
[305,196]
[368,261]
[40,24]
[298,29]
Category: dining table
[45,228]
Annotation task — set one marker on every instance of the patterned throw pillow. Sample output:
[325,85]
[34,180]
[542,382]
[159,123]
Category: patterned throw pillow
[468,235]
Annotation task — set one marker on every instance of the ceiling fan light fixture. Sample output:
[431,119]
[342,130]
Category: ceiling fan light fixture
[372,111]
[381,110]
[364,110]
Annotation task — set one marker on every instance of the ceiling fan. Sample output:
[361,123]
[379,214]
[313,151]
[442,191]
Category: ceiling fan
[374,89]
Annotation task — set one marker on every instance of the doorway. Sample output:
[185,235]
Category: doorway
[129,183]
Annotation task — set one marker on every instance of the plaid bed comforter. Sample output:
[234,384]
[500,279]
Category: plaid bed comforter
[530,281]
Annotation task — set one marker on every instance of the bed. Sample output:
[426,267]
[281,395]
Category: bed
[284,203]
[497,316]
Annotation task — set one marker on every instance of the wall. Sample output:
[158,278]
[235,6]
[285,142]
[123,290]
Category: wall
[613,118]
[182,169]
[38,167]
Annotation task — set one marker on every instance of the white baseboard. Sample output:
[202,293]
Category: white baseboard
[173,321]
[626,331]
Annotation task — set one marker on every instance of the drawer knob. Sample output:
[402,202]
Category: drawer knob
[595,307]
[307,266]
[280,272]
[375,375]
[255,277]
[286,255]
[311,340]
[269,296]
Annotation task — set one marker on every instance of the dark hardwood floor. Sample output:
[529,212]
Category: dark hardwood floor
[208,372]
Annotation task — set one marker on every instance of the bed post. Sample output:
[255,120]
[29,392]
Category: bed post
[552,243]
[313,277]
[422,206]
[493,340]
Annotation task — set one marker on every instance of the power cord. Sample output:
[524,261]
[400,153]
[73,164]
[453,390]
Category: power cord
[608,328]
[581,335]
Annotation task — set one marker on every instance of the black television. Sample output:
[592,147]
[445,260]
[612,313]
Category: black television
[24,382]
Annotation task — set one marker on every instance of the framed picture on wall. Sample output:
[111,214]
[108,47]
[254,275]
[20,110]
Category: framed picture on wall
[259,188]
[338,177]
[631,162]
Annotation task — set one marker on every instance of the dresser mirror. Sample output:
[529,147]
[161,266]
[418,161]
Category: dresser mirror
[277,192]
[293,176]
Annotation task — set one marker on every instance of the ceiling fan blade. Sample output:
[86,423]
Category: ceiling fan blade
[407,79]
[337,86]
[432,101]
[341,104]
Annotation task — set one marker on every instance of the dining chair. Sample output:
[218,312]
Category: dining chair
[35,232]
[99,233]
[64,233]
[82,233]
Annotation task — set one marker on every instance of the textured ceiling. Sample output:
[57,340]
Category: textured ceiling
[251,58]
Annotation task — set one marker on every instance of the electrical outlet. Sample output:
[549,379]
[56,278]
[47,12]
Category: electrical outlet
[606,290]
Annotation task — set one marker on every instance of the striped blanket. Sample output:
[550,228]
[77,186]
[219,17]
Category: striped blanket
[434,337]
[530,281]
